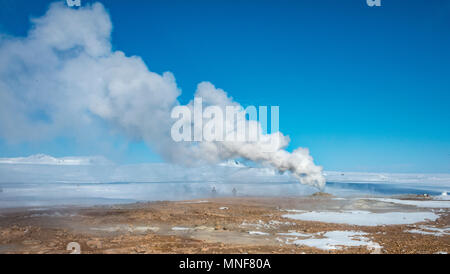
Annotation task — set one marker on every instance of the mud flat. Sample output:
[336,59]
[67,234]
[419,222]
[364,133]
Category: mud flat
[314,224]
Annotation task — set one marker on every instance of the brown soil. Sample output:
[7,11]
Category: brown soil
[219,225]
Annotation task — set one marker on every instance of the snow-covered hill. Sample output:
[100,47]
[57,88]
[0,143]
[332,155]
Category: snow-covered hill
[42,159]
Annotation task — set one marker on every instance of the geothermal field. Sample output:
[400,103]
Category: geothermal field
[314,224]
[236,127]
[230,208]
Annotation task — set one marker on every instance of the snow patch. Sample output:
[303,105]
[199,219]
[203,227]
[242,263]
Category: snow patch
[272,224]
[258,233]
[429,230]
[364,218]
[295,234]
[417,203]
[402,178]
[333,240]
[179,228]
[443,197]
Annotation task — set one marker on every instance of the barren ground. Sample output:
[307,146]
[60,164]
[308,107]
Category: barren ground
[213,225]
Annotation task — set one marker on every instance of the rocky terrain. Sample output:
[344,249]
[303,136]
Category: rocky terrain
[220,225]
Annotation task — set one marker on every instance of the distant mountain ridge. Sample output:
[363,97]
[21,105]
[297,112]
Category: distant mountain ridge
[100,169]
[43,159]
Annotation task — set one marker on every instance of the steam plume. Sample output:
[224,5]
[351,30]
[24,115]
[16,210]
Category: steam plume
[64,75]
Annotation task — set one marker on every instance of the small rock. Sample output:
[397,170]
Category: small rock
[94,243]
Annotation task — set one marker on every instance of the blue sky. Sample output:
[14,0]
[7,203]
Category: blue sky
[365,89]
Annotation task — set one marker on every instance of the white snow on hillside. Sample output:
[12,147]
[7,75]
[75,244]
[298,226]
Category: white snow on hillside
[42,159]
[45,168]
[42,180]
[341,176]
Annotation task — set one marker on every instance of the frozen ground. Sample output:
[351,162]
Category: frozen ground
[42,180]
[437,203]
[365,213]
[429,230]
[331,240]
[365,218]
[249,225]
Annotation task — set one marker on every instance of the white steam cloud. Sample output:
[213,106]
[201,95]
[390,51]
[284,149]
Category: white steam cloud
[63,76]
